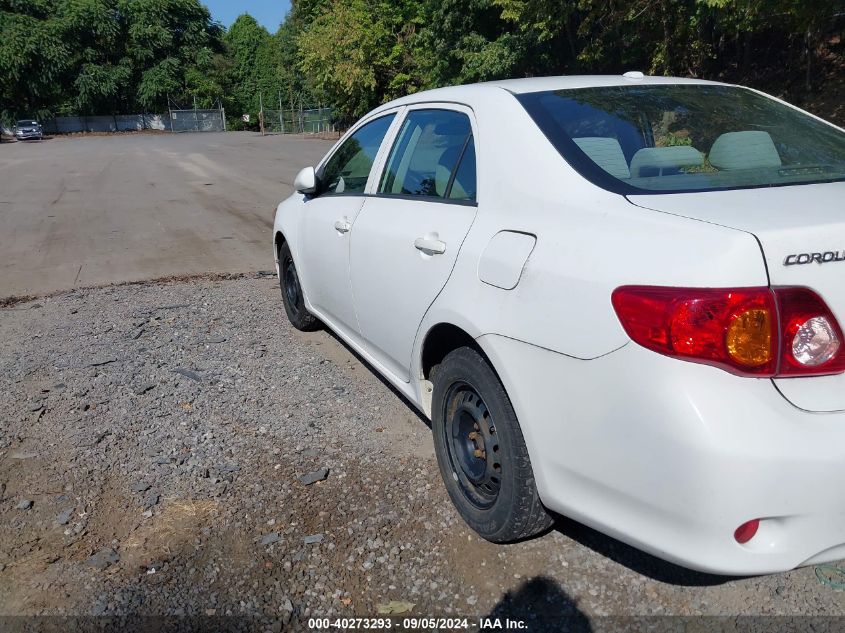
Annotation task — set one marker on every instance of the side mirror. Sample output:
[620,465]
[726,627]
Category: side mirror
[306,181]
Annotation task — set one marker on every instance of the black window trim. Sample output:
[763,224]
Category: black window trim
[448,193]
[432,105]
[405,196]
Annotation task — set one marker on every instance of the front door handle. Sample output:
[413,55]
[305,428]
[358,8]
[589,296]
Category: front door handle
[430,247]
[342,226]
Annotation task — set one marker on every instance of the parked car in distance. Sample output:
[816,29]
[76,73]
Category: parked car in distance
[617,298]
[28,129]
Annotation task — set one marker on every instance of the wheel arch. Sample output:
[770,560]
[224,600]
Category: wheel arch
[440,339]
[278,239]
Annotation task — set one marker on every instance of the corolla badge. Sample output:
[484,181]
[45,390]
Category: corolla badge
[819,258]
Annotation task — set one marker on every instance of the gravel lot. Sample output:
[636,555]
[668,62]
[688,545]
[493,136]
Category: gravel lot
[153,438]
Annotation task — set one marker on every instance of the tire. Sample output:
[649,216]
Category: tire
[292,295]
[481,451]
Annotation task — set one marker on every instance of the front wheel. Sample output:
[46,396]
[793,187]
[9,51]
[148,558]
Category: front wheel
[292,295]
[481,451]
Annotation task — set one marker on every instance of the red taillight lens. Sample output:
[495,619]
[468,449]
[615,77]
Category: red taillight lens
[760,332]
[731,328]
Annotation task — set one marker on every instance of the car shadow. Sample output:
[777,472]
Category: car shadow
[9,140]
[634,559]
[377,375]
[539,604]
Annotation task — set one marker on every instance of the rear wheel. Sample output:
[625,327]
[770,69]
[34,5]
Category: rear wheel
[481,452]
[292,295]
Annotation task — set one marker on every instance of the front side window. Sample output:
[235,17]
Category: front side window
[694,137]
[433,157]
[347,171]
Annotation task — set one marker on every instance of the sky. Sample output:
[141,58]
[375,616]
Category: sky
[270,13]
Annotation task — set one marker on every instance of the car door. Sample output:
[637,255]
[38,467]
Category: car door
[328,218]
[408,234]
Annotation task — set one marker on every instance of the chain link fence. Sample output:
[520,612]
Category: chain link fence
[274,122]
[198,120]
[310,121]
[106,123]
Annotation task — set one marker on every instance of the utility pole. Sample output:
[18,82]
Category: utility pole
[196,116]
[261,113]
[281,113]
[170,111]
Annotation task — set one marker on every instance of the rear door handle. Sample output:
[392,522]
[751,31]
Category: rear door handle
[342,226]
[430,247]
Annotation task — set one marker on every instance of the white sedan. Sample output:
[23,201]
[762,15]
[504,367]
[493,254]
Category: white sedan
[616,298]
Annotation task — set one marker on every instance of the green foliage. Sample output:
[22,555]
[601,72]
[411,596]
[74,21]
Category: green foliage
[33,56]
[466,41]
[357,52]
[247,45]
[103,56]
[99,56]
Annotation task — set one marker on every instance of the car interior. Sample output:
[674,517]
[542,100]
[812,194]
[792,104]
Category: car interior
[686,138]
[426,155]
[747,149]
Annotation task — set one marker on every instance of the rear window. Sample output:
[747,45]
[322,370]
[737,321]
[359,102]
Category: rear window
[675,138]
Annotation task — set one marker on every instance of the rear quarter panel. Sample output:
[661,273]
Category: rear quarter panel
[589,242]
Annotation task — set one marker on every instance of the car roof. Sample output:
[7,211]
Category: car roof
[474,92]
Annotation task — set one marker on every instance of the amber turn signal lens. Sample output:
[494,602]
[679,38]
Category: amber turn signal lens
[749,337]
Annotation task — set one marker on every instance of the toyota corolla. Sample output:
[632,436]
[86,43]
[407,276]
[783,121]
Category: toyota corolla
[619,299]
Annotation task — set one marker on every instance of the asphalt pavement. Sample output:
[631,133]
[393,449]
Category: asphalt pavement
[95,210]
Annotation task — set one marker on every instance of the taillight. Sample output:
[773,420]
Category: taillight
[760,332]
[811,339]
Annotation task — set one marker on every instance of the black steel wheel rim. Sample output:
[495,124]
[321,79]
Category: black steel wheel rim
[472,445]
[290,284]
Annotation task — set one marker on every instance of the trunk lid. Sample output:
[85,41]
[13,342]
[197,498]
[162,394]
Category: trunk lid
[801,230]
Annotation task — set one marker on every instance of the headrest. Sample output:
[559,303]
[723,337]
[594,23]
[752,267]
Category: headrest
[605,152]
[654,161]
[749,149]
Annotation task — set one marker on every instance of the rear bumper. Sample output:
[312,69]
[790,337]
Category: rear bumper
[672,457]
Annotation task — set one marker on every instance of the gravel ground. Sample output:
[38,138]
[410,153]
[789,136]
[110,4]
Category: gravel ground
[177,449]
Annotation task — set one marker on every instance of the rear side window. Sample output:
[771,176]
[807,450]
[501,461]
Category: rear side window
[433,157]
[347,171]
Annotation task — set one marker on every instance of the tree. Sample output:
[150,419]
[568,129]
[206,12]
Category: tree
[97,56]
[247,43]
[294,86]
[166,39]
[358,52]
[34,56]
[468,41]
